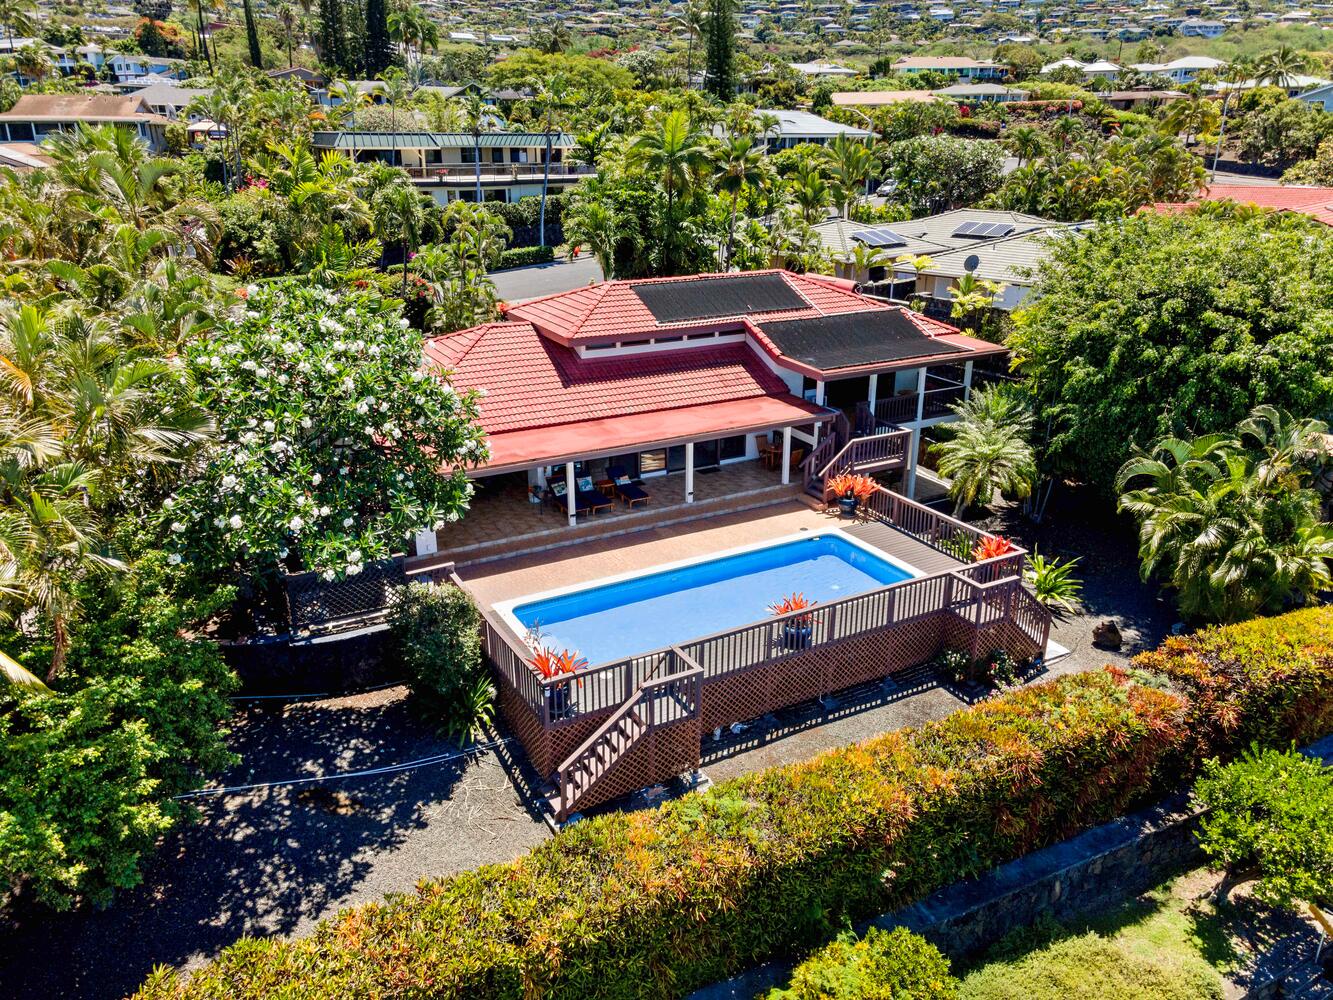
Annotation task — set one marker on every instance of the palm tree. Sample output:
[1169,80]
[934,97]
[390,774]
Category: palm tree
[738,164]
[552,96]
[810,191]
[850,164]
[399,216]
[1234,73]
[674,151]
[1026,142]
[287,18]
[593,222]
[477,115]
[1281,66]
[1191,116]
[981,457]
[554,39]
[397,89]
[19,18]
[1234,529]
[350,98]
[693,19]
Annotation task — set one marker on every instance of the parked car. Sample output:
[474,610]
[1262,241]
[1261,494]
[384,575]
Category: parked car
[887,189]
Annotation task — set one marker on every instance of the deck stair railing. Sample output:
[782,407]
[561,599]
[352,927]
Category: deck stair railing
[868,454]
[657,701]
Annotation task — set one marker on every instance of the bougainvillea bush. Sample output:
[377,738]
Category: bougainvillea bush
[333,444]
[656,903]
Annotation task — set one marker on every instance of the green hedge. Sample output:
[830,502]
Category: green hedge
[523,256]
[883,965]
[654,904]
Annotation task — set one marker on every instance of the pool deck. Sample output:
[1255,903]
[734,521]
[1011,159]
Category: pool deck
[508,579]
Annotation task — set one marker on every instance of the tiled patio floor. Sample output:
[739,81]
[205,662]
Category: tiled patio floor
[502,513]
[506,579]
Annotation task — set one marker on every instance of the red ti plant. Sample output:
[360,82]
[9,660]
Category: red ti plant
[790,603]
[550,663]
[991,547]
[861,487]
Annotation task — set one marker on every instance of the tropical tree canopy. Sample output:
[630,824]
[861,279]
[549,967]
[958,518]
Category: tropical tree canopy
[1133,333]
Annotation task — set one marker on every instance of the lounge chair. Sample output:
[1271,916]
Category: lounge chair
[628,490]
[590,496]
[558,497]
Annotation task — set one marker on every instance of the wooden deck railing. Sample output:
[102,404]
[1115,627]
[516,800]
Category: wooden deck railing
[607,686]
[657,701]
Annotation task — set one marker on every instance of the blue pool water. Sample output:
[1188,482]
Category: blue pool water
[648,612]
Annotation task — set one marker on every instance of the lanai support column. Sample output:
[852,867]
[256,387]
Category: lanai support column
[569,494]
[874,390]
[786,456]
[914,445]
[819,401]
[967,379]
[689,472]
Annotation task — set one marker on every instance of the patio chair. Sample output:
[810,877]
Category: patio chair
[557,496]
[628,490]
[590,496]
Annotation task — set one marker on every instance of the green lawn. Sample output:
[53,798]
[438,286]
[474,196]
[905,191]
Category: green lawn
[1164,946]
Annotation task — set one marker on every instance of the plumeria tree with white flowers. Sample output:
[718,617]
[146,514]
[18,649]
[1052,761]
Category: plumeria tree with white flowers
[334,444]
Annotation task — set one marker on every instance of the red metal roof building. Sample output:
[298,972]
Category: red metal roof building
[637,372]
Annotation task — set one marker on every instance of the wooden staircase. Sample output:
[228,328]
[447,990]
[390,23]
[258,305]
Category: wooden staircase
[868,449]
[592,774]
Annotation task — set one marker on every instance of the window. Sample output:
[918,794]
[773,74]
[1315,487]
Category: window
[651,462]
[732,447]
[497,156]
[469,154]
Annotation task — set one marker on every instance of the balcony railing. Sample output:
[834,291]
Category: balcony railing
[463,173]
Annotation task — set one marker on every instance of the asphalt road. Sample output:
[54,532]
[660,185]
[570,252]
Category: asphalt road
[562,275]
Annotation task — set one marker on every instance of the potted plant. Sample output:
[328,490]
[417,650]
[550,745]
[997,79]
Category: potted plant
[549,664]
[798,629]
[992,547]
[851,491]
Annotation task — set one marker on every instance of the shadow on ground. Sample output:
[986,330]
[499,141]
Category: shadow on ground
[275,861]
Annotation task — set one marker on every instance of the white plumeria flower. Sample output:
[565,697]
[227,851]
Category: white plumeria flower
[296,524]
[219,522]
[355,555]
[236,521]
[329,574]
[270,426]
[168,503]
[348,521]
[324,512]
[317,479]
[353,569]
[177,527]
[306,422]
[404,323]
[174,559]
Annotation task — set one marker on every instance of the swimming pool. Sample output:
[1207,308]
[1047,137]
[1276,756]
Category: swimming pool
[624,616]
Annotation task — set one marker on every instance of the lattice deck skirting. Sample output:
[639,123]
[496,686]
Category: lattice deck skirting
[747,694]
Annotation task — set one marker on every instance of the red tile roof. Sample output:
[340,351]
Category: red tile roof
[1316,202]
[610,311]
[532,382]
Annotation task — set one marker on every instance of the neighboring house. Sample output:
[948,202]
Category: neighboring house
[880,98]
[681,375]
[1139,98]
[1183,70]
[23,156]
[818,69]
[170,101]
[1196,27]
[1319,97]
[797,127]
[959,66]
[1316,202]
[308,78]
[444,164]
[1002,243]
[981,93]
[35,116]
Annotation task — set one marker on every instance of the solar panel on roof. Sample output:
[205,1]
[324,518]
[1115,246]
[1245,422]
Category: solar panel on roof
[864,338]
[968,228]
[984,230]
[713,298]
[879,238]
